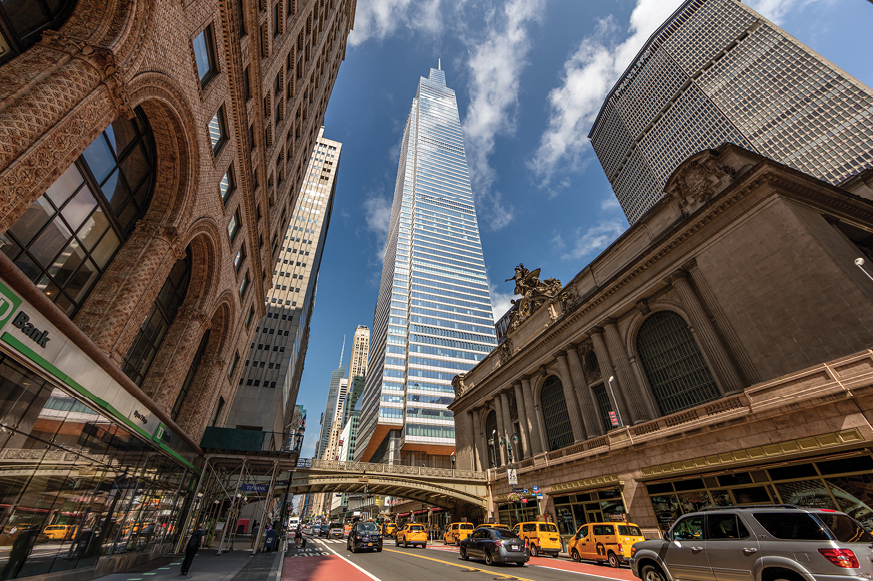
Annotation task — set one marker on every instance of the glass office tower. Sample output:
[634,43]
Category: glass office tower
[717,71]
[433,317]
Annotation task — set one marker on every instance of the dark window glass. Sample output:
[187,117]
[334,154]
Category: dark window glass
[792,525]
[857,464]
[754,495]
[689,529]
[844,528]
[234,225]
[676,370]
[153,330]
[189,377]
[692,484]
[734,479]
[239,258]
[490,429]
[725,526]
[27,19]
[659,488]
[226,186]
[241,20]
[555,416]
[64,241]
[250,316]
[244,285]
[204,55]
[276,20]
[604,405]
[503,534]
[218,409]
[247,87]
[791,472]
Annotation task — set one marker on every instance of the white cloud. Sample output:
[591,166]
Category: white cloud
[379,19]
[595,239]
[500,301]
[589,74]
[377,213]
[495,64]
[777,10]
[610,203]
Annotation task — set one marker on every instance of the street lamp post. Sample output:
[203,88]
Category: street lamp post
[453,462]
[492,443]
[514,440]
[615,401]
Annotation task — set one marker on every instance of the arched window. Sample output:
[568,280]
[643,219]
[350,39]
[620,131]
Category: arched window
[154,328]
[66,239]
[558,429]
[490,439]
[22,22]
[674,366]
[189,378]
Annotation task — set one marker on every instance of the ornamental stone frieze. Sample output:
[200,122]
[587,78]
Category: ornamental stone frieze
[534,293]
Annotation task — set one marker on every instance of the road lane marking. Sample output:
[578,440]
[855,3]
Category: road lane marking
[489,571]
[355,565]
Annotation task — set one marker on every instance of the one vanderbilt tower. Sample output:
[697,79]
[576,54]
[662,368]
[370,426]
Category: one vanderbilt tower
[433,318]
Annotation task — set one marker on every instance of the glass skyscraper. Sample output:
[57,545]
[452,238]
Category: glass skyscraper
[717,71]
[433,317]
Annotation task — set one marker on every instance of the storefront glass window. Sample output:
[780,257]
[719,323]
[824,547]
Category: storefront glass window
[811,493]
[564,518]
[853,493]
[666,510]
[693,501]
[74,484]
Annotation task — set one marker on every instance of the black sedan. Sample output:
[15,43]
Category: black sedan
[364,535]
[495,546]
[323,530]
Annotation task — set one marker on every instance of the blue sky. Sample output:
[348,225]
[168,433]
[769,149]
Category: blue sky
[530,76]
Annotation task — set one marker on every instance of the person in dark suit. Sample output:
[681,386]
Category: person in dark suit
[191,548]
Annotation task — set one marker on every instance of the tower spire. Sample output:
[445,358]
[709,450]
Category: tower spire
[439,64]
[343,351]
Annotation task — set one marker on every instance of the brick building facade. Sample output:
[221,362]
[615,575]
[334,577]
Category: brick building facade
[716,353]
[151,155]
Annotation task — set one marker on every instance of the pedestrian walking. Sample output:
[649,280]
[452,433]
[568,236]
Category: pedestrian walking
[298,534]
[191,548]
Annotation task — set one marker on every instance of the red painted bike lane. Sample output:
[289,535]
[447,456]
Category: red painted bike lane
[321,568]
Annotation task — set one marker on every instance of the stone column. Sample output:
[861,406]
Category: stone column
[573,408]
[710,342]
[202,396]
[537,419]
[638,404]
[508,428]
[583,392]
[481,439]
[501,453]
[536,443]
[164,378]
[616,393]
[522,422]
[471,438]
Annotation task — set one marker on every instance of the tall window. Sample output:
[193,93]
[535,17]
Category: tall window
[674,366]
[558,429]
[204,55]
[217,132]
[189,378]
[604,405]
[154,328]
[491,439]
[22,22]
[66,239]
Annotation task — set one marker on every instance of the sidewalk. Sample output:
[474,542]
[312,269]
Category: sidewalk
[231,566]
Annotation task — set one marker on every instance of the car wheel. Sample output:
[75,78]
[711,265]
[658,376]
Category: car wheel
[424,546]
[574,554]
[533,550]
[379,550]
[354,548]
[464,556]
[457,542]
[652,573]
[613,560]
[445,542]
[489,559]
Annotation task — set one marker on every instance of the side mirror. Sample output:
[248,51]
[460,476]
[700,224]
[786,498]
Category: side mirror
[668,536]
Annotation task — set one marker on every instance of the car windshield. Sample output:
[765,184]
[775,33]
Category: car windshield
[629,531]
[467,527]
[416,528]
[504,534]
[367,526]
[335,525]
[548,528]
[797,525]
[845,528]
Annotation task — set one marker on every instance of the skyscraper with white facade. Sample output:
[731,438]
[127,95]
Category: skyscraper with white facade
[717,71]
[267,392]
[433,316]
[336,393]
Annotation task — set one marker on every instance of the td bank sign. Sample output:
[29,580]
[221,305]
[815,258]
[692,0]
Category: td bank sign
[9,303]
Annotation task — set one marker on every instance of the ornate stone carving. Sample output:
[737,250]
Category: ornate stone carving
[643,306]
[504,351]
[590,365]
[458,384]
[533,291]
[570,298]
[696,181]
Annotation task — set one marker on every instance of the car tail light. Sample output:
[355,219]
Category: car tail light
[499,543]
[620,550]
[844,558]
[633,551]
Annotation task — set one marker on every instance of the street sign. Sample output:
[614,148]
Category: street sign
[536,489]
[513,476]
[524,501]
[613,418]
[254,487]
[539,496]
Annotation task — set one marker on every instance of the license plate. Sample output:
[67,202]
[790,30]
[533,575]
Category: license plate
[511,548]
[369,544]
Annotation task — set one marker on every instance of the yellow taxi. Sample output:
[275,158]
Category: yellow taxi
[540,537]
[494,526]
[59,532]
[388,529]
[457,532]
[411,534]
[607,541]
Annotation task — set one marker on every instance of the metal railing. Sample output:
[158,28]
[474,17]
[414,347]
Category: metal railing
[372,468]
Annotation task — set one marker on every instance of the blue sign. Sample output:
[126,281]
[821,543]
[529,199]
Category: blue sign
[535,488]
[254,487]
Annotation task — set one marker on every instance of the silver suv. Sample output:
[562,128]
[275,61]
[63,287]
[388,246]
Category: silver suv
[758,543]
